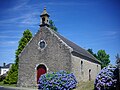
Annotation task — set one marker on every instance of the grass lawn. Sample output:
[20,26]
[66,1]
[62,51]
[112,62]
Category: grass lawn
[81,86]
[10,85]
[85,85]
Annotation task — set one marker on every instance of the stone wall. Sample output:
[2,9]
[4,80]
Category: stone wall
[83,73]
[56,56]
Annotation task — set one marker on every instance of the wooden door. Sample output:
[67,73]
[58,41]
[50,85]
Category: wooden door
[41,69]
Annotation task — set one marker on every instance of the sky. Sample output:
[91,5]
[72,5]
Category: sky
[88,23]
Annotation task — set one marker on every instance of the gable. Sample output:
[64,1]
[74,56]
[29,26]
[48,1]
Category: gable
[44,34]
[56,55]
[74,49]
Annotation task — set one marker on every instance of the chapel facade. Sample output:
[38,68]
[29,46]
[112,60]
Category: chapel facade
[48,51]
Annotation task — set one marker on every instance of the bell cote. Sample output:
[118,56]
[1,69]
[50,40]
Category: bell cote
[44,18]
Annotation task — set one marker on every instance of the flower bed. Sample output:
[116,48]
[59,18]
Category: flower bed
[106,79]
[57,81]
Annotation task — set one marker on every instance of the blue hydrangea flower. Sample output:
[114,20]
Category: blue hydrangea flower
[61,80]
[106,79]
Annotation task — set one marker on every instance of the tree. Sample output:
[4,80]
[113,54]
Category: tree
[90,51]
[52,25]
[13,73]
[12,76]
[117,59]
[27,35]
[103,57]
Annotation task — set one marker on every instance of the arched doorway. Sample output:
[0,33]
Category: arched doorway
[41,69]
[81,67]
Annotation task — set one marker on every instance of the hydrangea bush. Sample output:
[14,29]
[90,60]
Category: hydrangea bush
[61,80]
[106,79]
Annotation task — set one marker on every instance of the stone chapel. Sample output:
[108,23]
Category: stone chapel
[48,51]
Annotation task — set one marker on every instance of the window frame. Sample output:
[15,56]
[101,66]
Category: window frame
[42,48]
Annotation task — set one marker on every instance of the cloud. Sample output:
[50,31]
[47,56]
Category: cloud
[30,19]
[65,3]
[7,50]
[8,43]
[21,14]
[10,21]
[10,31]
[8,36]
[101,37]
[20,5]
[110,33]
[26,19]
[26,14]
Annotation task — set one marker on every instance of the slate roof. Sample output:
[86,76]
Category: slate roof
[77,48]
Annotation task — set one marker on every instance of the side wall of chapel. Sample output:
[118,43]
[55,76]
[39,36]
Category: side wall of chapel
[81,67]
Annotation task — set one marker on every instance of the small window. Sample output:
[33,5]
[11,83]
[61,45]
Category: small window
[81,65]
[89,74]
[97,68]
[82,68]
[42,44]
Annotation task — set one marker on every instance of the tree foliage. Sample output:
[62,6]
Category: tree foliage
[117,59]
[12,76]
[52,25]
[27,35]
[91,51]
[13,73]
[103,57]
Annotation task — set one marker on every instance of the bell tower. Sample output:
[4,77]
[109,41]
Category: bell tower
[44,18]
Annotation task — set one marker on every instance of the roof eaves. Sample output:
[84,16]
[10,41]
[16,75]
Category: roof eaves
[75,53]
